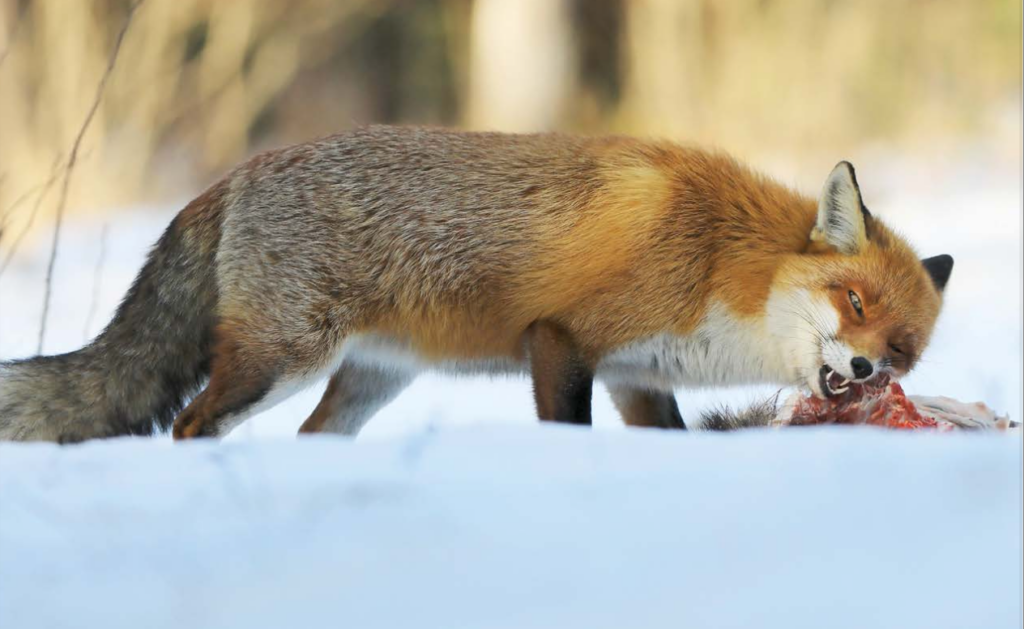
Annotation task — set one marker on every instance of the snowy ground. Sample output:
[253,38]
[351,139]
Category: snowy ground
[511,526]
[425,521]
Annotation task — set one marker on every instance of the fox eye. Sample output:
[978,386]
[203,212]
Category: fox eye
[896,349]
[855,300]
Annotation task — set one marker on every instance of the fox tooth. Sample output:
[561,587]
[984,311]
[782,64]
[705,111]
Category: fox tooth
[845,382]
[840,390]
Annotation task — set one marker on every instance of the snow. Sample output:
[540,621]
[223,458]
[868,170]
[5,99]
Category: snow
[455,508]
[513,526]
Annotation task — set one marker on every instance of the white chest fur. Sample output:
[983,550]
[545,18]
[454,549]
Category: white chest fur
[723,350]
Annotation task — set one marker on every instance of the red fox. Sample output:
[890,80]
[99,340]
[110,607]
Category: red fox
[373,255]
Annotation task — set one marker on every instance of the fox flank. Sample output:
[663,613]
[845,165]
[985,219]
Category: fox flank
[371,256]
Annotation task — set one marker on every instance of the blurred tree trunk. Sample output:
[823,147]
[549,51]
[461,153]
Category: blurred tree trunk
[662,65]
[522,64]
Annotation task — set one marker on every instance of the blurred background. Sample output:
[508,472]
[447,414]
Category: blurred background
[924,96]
[201,84]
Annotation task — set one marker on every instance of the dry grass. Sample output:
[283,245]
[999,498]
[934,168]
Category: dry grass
[202,83]
[801,73]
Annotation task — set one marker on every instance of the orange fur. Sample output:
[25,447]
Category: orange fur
[900,304]
[645,233]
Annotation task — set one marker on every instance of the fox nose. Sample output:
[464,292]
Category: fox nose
[861,367]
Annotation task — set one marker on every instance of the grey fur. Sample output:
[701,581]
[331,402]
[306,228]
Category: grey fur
[757,415]
[312,228]
[139,371]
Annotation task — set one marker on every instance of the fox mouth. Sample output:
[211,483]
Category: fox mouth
[831,382]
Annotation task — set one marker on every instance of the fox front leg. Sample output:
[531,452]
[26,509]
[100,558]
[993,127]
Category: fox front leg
[646,408]
[563,380]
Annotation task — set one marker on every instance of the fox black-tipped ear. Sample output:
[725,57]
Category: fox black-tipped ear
[939,267]
[842,217]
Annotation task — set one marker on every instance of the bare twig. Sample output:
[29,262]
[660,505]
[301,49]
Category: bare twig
[55,170]
[10,39]
[72,156]
[41,191]
[97,276]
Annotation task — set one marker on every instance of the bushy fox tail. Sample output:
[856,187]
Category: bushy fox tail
[136,375]
[757,415]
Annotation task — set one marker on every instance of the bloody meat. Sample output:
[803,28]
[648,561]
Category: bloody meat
[881,402]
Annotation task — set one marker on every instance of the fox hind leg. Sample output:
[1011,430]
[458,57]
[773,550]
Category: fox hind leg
[647,408]
[354,394]
[242,377]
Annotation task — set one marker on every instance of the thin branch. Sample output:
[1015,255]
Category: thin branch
[72,156]
[97,276]
[36,189]
[10,38]
[41,191]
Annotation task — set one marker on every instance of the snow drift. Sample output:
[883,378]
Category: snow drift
[510,527]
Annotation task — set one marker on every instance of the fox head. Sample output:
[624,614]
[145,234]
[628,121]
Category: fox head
[859,300]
